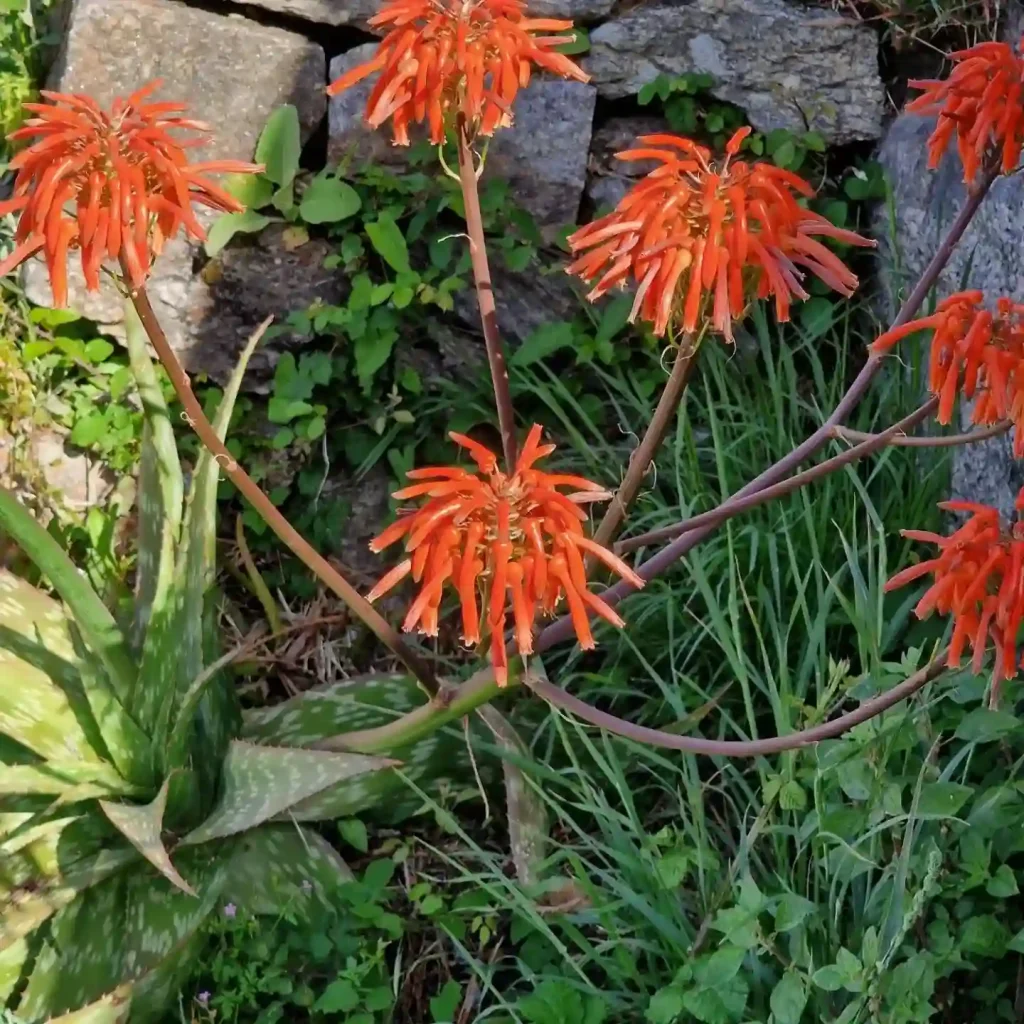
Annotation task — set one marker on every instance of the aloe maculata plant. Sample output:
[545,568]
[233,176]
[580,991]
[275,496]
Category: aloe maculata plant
[135,797]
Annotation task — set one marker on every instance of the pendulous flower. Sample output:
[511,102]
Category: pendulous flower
[448,57]
[113,184]
[978,580]
[977,352]
[701,239]
[979,103]
[499,540]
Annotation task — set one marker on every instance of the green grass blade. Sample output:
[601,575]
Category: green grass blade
[101,632]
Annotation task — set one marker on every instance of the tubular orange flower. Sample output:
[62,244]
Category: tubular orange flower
[498,539]
[701,239]
[111,184]
[978,580]
[980,103]
[446,57]
[977,352]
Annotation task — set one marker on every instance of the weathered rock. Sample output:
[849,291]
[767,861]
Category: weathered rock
[525,301]
[543,155]
[324,12]
[74,480]
[990,256]
[783,63]
[230,71]
[358,12]
[608,178]
[247,283]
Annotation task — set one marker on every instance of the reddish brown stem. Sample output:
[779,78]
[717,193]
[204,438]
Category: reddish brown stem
[641,459]
[561,629]
[874,443]
[737,748]
[250,490]
[485,296]
[937,441]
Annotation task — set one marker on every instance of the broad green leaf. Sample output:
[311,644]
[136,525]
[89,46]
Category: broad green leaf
[788,998]
[983,725]
[942,799]
[259,783]
[42,704]
[387,238]
[280,145]
[101,632]
[543,342]
[142,825]
[328,200]
[251,190]
[160,493]
[280,866]
[227,225]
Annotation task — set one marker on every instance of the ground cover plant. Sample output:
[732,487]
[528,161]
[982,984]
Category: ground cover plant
[153,763]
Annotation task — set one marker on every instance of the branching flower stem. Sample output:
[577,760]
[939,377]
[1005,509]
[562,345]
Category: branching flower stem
[296,543]
[485,294]
[675,387]
[561,628]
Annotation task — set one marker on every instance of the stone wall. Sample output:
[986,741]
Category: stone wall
[788,64]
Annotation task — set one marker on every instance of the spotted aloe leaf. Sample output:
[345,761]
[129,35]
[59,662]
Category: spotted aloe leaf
[365,703]
[55,701]
[141,825]
[101,632]
[12,963]
[135,930]
[160,492]
[258,783]
[67,782]
[282,866]
[109,1009]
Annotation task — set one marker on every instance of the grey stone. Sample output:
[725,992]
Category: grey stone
[990,256]
[231,72]
[787,65]
[543,155]
[525,301]
[575,10]
[608,179]
[75,480]
[324,12]
[247,283]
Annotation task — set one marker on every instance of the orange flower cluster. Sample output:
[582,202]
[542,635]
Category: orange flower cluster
[977,352]
[113,185]
[445,57]
[979,103]
[496,538]
[978,579]
[700,240]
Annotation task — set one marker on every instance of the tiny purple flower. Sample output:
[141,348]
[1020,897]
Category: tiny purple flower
[230,910]
[203,998]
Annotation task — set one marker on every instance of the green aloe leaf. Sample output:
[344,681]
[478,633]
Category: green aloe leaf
[258,783]
[110,1009]
[275,867]
[43,706]
[101,632]
[527,815]
[365,703]
[141,825]
[160,493]
[12,963]
[68,781]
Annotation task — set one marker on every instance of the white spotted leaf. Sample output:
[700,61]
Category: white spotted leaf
[258,783]
[142,825]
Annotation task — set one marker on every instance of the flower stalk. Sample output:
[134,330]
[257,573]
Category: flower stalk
[485,293]
[252,492]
